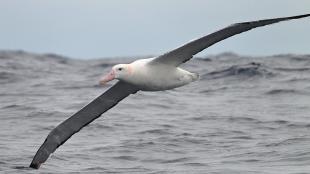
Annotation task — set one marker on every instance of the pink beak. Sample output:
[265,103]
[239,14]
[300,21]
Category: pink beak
[110,76]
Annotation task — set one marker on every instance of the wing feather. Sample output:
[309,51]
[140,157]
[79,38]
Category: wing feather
[75,123]
[187,51]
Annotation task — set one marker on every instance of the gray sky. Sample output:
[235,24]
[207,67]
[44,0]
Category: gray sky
[101,28]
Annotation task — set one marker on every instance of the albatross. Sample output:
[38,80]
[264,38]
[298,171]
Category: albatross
[153,74]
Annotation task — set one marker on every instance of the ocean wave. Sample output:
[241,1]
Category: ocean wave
[55,57]
[299,58]
[249,70]
[293,69]
[176,160]
[292,57]
[283,91]
[94,169]
[104,65]
[214,90]
[156,131]
[288,141]
[299,125]
[8,77]
[126,157]
[18,107]
[244,120]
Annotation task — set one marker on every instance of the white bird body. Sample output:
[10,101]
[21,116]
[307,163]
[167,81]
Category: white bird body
[157,77]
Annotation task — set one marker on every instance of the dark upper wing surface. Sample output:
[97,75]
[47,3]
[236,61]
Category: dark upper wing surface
[186,52]
[75,123]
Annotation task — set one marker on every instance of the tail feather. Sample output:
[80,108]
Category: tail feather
[195,76]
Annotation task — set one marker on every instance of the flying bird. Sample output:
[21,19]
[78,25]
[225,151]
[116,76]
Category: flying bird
[153,74]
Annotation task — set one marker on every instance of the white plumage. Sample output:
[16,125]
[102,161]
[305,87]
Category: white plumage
[148,76]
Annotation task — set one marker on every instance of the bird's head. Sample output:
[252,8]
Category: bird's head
[120,72]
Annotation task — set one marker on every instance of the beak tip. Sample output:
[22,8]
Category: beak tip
[102,83]
[107,78]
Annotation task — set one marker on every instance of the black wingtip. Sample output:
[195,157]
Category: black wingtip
[35,165]
[299,16]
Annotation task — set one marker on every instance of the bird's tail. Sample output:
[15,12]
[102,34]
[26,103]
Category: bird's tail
[195,76]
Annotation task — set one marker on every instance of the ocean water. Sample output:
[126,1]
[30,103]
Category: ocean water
[245,115]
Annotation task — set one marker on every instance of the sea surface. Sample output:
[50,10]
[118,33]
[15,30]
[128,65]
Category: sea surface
[245,115]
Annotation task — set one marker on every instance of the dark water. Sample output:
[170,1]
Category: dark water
[245,115]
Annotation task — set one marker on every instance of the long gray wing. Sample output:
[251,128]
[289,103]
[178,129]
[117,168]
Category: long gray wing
[186,52]
[75,123]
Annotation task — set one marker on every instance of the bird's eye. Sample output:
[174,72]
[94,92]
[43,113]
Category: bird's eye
[120,69]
